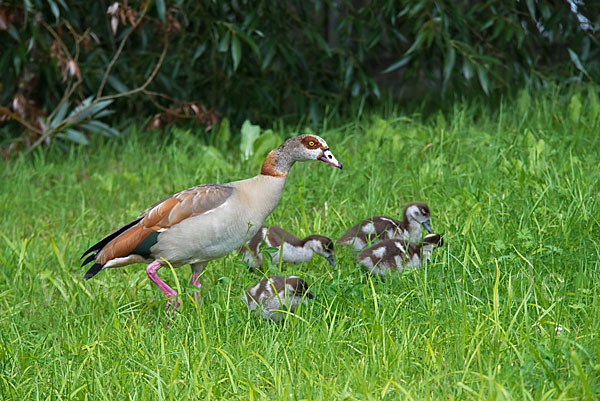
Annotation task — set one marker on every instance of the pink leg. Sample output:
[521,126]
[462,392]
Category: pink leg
[151,270]
[197,269]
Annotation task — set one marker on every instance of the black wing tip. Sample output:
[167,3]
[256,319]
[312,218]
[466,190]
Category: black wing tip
[88,259]
[87,252]
[104,241]
[95,269]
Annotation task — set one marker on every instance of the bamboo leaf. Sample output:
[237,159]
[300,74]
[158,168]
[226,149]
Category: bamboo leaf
[398,64]
[250,43]
[236,52]
[160,9]
[531,8]
[55,9]
[60,115]
[224,43]
[576,61]
[84,112]
[268,57]
[73,136]
[467,70]
[96,126]
[117,84]
[449,64]
[199,50]
[483,79]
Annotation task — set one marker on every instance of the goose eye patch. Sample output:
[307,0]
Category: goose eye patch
[311,143]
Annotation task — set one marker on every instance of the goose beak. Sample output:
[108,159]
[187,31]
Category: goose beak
[427,225]
[331,260]
[329,158]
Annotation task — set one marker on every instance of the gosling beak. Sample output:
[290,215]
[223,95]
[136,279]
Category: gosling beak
[331,260]
[427,225]
[329,158]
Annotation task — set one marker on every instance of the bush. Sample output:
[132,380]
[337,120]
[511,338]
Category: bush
[269,60]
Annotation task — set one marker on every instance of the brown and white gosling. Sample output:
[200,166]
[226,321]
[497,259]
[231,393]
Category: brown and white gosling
[295,250]
[380,228]
[396,254]
[204,222]
[271,295]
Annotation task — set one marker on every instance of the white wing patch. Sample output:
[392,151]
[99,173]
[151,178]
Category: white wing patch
[369,228]
[379,252]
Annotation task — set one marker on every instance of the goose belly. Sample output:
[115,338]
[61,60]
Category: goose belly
[205,237]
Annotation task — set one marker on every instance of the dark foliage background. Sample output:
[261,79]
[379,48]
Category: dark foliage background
[265,60]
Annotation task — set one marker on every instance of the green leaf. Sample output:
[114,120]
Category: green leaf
[467,70]
[348,75]
[576,61]
[73,136]
[160,9]
[249,134]
[575,108]
[55,9]
[355,88]
[86,111]
[60,115]
[250,42]
[199,50]
[266,142]
[420,38]
[117,84]
[268,57]
[400,63]
[483,79]
[593,103]
[96,126]
[450,60]
[224,43]
[523,102]
[376,90]
[531,7]
[223,134]
[236,52]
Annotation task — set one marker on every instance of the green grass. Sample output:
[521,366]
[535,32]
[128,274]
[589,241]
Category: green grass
[507,309]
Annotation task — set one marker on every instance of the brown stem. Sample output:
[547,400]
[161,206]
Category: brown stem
[150,78]
[120,49]
[17,118]
[100,99]
[166,109]
[58,39]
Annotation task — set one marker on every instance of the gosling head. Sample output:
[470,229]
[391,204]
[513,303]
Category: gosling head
[419,212]
[323,246]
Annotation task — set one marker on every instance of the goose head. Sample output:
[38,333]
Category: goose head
[299,148]
[419,212]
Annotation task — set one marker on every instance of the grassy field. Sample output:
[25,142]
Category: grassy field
[507,309]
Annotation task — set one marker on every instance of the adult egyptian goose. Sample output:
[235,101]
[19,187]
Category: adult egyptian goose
[271,295]
[396,254]
[295,250]
[204,222]
[379,228]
